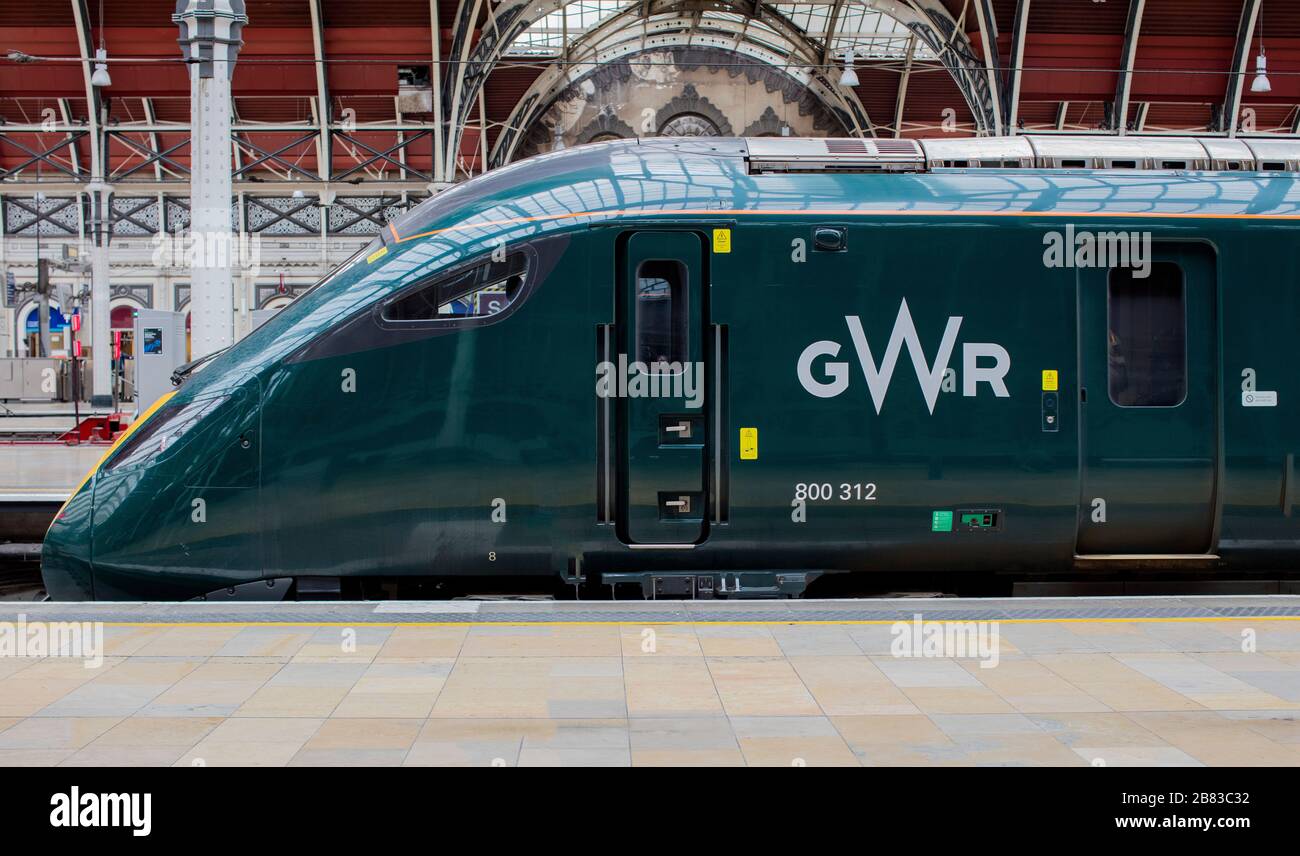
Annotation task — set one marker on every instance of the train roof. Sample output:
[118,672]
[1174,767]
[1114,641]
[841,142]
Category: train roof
[728,180]
[1049,176]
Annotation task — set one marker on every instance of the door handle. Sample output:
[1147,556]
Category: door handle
[683,504]
[682,429]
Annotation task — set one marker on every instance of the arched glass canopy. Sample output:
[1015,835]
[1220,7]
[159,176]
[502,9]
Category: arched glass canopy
[854,26]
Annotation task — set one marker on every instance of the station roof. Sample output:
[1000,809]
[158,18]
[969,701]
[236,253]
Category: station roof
[1039,65]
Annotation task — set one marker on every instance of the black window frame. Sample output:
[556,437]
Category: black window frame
[1182,296]
[679,315]
[463,279]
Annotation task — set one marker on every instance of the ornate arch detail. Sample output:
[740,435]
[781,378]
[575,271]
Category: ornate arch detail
[772,80]
[767,125]
[802,60]
[469,62]
[606,124]
[691,102]
[141,294]
[530,133]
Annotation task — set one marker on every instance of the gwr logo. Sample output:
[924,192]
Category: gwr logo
[930,376]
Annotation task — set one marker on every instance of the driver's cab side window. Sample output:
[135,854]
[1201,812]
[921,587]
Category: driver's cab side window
[479,291]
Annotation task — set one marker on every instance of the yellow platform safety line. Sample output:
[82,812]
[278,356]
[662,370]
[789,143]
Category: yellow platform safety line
[130,429]
[672,623]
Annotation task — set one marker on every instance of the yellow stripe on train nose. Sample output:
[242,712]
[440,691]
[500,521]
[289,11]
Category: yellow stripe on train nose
[144,417]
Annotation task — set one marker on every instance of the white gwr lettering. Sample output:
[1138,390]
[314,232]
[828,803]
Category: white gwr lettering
[976,357]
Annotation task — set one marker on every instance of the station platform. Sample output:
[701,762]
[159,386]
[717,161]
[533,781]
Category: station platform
[44,472]
[1183,681]
[36,478]
[22,417]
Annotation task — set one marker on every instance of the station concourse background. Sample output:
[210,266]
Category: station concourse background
[413,96]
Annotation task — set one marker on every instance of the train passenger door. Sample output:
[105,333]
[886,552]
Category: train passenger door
[1149,432]
[661,414]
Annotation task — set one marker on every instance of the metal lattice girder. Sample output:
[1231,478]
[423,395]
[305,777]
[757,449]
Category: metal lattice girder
[832,26]
[325,106]
[353,214]
[287,215]
[1230,120]
[935,27]
[147,104]
[94,106]
[988,31]
[150,212]
[1019,36]
[274,157]
[65,112]
[900,98]
[45,156]
[1124,85]
[152,156]
[385,155]
[133,206]
[466,70]
[39,216]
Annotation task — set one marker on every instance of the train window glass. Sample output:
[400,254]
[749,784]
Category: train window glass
[483,290]
[1073,164]
[1273,166]
[1174,164]
[421,304]
[1147,337]
[497,286]
[661,324]
[1123,164]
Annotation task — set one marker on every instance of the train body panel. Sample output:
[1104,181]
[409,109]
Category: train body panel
[861,372]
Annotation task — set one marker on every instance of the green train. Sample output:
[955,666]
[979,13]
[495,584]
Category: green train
[726,368]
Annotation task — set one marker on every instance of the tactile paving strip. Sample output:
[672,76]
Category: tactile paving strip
[664,612]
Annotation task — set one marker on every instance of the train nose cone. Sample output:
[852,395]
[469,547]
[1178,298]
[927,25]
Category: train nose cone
[65,555]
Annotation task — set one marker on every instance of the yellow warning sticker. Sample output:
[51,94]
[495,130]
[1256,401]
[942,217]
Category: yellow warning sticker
[377,254]
[1050,380]
[721,240]
[749,444]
